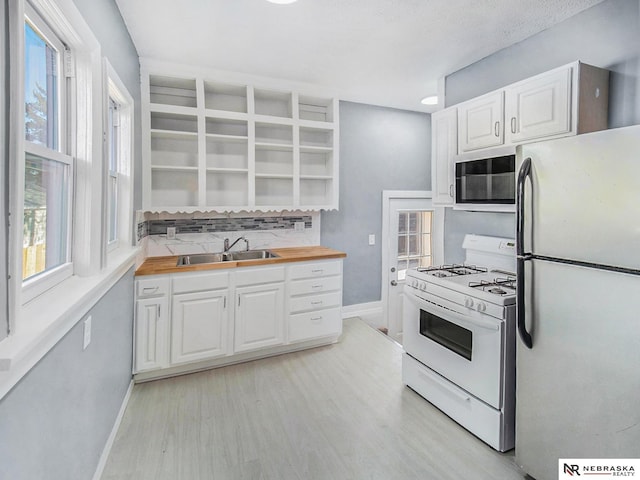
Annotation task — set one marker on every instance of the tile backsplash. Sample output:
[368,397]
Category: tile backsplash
[206,235]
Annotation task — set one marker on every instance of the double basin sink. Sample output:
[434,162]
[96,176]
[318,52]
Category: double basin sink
[201,258]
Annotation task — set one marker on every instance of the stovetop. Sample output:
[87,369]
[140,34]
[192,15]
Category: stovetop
[494,285]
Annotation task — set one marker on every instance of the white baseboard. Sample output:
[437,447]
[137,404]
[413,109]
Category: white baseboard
[112,436]
[370,313]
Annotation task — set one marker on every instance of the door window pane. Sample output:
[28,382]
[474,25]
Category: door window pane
[45,215]
[41,89]
[414,241]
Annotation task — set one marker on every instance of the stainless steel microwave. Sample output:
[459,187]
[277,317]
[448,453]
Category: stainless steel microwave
[486,180]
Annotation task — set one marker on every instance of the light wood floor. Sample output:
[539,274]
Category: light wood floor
[337,412]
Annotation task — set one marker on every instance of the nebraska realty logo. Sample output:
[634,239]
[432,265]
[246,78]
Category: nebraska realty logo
[603,467]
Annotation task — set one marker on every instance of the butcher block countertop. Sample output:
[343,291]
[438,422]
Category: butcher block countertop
[160,265]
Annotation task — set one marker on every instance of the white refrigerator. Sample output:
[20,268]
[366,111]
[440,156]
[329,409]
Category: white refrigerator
[578,250]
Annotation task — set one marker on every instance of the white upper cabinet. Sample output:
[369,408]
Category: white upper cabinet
[480,122]
[214,145]
[568,100]
[539,107]
[444,146]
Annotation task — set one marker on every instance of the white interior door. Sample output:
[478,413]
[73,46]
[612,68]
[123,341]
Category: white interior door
[412,237]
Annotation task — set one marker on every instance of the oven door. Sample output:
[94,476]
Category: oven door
[461,344]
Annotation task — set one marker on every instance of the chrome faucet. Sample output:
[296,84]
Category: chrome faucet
[228,247]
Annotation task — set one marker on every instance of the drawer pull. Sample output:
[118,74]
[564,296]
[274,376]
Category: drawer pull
[316,286]
[150,289]
[316,319]
[318,271]
[319,302]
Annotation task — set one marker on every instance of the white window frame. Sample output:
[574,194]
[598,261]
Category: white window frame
[35,327]
[115,90]
[43,281]
[83,149]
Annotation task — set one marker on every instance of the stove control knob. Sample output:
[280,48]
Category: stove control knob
[468,302]
[414,284]
[481,307]
[423,286]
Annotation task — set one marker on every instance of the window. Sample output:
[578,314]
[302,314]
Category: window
[118,154]
[113,147]
[48,168]
[414,241]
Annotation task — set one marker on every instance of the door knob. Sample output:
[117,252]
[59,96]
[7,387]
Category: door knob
[394,283]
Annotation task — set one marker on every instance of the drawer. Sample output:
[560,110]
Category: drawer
[252,276]
[152,287]
[316,285]
[315,302]
[199,282]
[319,269]
[306,326]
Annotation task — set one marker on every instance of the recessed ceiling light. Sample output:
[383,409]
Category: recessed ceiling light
[431,100]
[282,2]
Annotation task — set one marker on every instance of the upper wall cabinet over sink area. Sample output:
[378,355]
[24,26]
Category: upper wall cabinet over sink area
[219,145]
[568,100]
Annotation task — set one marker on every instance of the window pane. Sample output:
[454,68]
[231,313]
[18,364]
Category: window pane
[426,222]
[413,222]
[113,208]
[41,90]
[402,223]
[45,215]
[413,245]
[402,245]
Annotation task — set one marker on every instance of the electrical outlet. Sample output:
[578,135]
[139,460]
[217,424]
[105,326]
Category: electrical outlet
[87,333]
[171,233]
[372,239]
[298,226]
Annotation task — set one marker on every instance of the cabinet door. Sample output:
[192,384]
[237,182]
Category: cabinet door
[199,326]
[539,107]
[444,146]
[151,334]
[259,319]
[480,122]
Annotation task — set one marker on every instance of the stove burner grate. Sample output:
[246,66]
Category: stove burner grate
[499,286]
[452,270]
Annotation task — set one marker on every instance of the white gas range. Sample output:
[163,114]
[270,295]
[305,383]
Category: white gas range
[459,338]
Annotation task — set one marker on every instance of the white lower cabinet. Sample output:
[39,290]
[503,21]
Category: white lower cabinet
[152,322]
[259,319]
[194,320]
[199,323]
[315,298]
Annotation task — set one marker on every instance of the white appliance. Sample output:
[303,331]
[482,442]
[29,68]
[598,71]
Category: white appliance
[578,245]
[459,338]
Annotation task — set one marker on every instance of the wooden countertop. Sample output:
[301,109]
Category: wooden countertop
[159,265]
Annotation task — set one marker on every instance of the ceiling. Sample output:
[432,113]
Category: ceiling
[381,52]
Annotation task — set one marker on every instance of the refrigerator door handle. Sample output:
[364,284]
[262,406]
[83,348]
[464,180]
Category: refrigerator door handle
[522,257]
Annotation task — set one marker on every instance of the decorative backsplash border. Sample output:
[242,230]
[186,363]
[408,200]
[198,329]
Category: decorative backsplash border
[213,225]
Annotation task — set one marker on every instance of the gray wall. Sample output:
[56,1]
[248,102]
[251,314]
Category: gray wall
[606,35]
[55,422]
[103,16]
[380,149]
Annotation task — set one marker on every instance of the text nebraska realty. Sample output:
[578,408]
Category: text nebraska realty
[610,470]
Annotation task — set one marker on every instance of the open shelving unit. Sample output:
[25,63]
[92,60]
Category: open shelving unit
[214,145]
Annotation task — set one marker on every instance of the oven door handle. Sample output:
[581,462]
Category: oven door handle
[447,314]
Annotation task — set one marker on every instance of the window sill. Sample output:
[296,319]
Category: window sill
[49,317]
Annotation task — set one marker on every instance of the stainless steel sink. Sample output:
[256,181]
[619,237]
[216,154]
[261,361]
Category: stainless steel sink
[200,258]
[251,255]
